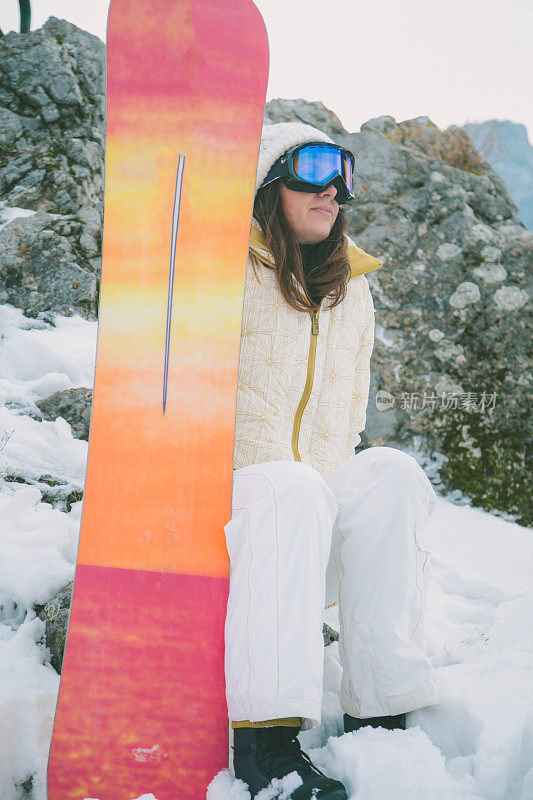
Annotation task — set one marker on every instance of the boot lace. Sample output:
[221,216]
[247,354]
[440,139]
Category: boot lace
[285,752]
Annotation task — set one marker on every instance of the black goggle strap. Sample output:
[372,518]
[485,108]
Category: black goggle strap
[279,169]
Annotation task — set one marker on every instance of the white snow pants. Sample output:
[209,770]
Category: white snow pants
[297,541]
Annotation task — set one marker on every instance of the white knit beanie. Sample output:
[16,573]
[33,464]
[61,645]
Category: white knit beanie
[276,139]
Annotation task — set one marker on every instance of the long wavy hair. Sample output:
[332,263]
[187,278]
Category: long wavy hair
[326,270]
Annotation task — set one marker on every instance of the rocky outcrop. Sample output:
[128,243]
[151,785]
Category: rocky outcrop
[315,114]
[451,375]
[58,492]
[74,405]
[56,616]
[52,112]
[507,149]
[52,142]
[50,263]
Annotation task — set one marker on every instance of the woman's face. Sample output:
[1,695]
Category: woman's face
[311,215]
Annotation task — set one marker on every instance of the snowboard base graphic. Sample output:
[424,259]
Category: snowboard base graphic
[141,706]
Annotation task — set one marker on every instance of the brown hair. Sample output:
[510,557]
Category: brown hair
[326,271]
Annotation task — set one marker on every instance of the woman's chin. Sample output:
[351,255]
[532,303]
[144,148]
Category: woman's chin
[316,236]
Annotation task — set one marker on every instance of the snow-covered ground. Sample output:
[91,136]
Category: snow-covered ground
[37,542]
[476,743]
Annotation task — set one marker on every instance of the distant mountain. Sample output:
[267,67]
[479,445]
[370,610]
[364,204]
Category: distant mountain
[506,147]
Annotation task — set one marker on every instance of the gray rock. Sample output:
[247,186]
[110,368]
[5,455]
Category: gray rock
[315,114]
[74,405]
[59,492]
[329,635]
[490,273]
[52,144]
[56,615]
[51,264]
[507,149]
[11,129]
[510,298]
[379,124]
[52,113]
[448,252]
[457,261]
[466,293]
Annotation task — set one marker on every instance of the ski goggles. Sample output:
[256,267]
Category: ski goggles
[314,166]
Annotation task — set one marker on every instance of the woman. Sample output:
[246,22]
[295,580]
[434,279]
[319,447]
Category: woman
[313,522]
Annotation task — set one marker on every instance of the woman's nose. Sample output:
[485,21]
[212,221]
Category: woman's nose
[330,190]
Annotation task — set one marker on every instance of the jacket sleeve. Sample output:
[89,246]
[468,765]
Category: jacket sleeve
[359,401]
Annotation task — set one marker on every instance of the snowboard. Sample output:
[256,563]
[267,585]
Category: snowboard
[141,706]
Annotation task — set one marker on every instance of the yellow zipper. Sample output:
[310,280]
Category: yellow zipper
[308,383]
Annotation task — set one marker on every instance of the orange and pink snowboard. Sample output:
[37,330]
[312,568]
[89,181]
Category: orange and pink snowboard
[142,705]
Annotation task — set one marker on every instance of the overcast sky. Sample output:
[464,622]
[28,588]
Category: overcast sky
[456,61]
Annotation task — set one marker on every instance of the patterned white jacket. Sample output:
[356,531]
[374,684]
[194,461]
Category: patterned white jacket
[303,378]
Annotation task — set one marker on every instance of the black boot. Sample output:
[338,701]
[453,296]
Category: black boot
[261,754]
[353,723]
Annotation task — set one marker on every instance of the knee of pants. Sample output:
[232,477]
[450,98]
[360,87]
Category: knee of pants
[291,495]
[403,475]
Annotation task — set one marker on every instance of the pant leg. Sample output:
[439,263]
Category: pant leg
[278,541]
[379,570]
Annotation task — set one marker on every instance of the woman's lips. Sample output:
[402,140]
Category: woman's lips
[323,210]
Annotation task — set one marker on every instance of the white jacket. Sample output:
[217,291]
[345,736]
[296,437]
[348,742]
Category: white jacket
[303,377]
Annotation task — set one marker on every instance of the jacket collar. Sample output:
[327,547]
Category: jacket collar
[360,262]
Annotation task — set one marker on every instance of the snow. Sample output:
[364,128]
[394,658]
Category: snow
[475,744]
[28,694]
[224,786]
[142,797]
[38,542]
[38,548]
[9,213]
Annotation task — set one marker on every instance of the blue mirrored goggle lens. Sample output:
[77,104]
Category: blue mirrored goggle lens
[319,164]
